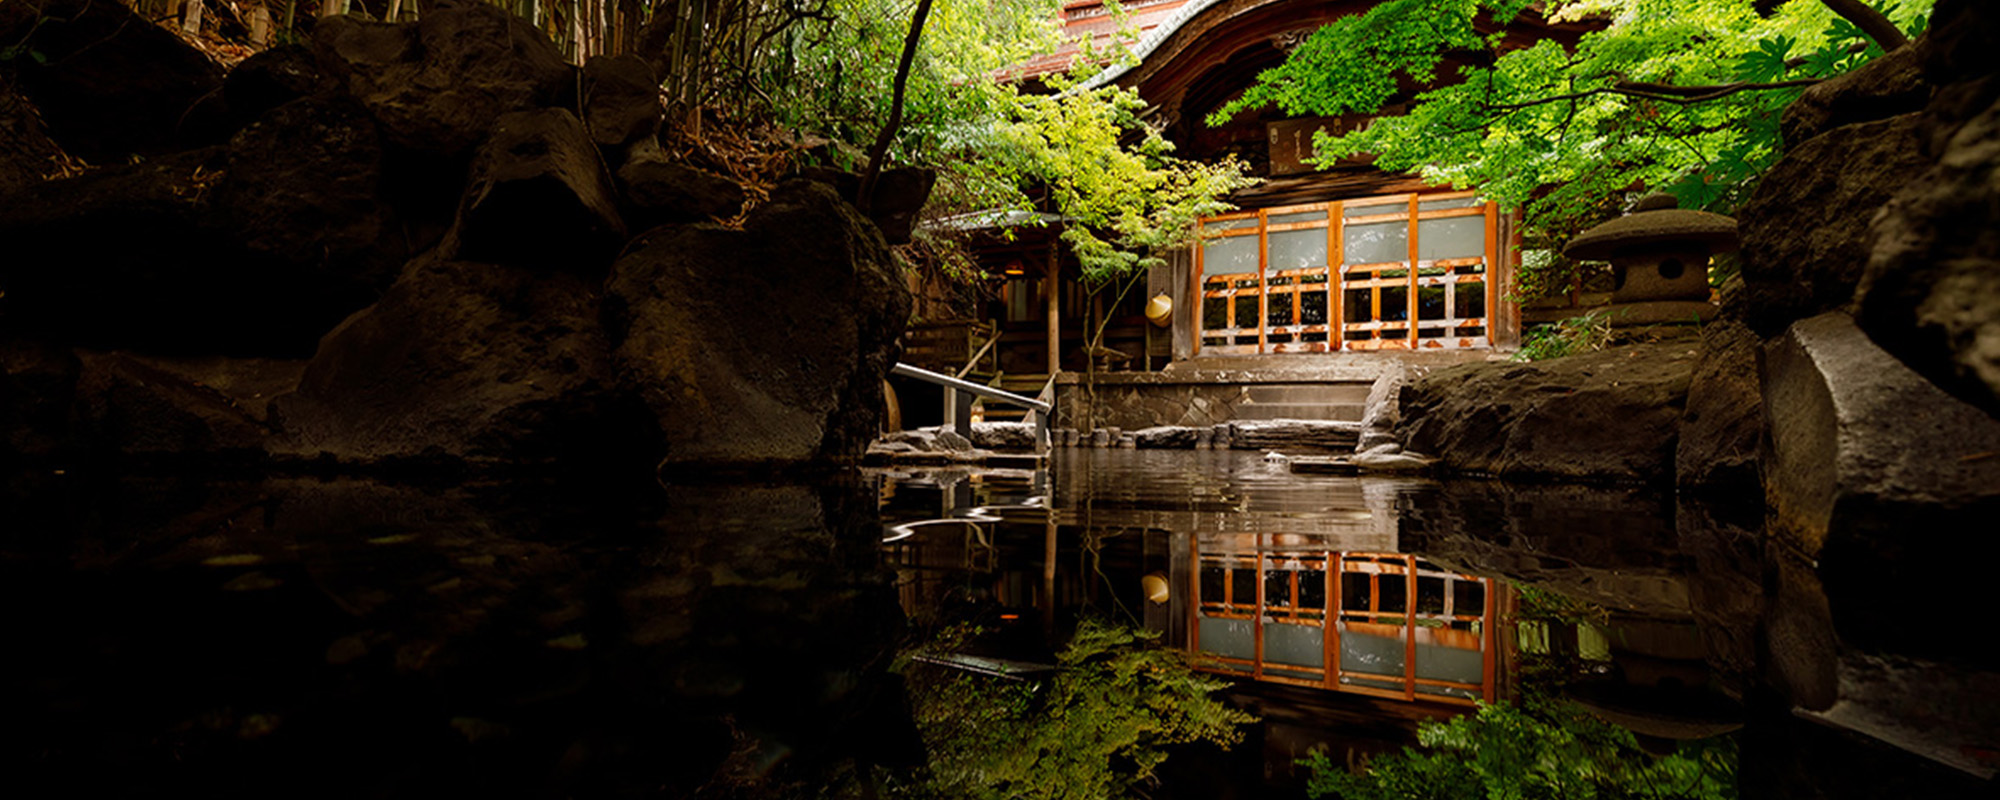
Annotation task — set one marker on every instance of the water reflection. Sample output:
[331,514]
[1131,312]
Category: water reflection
[351,638]
[1257,572]
[1350,609]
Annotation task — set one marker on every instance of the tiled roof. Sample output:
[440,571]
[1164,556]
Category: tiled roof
[1150,19]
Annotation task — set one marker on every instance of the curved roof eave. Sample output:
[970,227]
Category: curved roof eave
[1149,43]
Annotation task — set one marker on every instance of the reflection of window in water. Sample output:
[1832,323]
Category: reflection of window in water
[1401,628]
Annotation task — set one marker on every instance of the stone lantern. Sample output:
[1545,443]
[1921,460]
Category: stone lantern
[1659,257]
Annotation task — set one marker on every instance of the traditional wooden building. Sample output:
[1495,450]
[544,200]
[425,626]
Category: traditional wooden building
[1324,261]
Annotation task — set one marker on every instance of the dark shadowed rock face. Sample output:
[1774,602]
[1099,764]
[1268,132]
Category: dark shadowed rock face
[109,83]
[1931,293]
[765,345]
[439,85]
[480,362]
[1724,419]
[621,100]
[27,154]
[273,78]
[1611,415]
[126,258]
[1871,467]
[302,189]
[37,390]
[538,196]
[899,195]
[1885,87]
[1805,228]
[660,191]
[149,407]
[253,249]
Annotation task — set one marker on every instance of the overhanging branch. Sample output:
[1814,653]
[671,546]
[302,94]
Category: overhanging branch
[1665,93]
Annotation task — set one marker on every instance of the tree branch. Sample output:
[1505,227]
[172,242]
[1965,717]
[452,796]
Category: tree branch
[881,148]
[1666,93]
[1870,21]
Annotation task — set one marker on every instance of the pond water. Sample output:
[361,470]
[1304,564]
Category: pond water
[308,637]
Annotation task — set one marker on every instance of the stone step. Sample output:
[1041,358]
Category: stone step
[1355,392]
[1344,412]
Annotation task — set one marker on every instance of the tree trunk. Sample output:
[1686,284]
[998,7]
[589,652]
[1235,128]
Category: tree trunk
[880,151]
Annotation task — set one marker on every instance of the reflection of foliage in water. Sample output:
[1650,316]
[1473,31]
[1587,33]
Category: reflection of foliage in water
[1542,750]
[1095,728]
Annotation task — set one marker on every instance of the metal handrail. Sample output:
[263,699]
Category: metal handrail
[969,387]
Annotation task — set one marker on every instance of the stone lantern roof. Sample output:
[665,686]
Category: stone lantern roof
[1657,222]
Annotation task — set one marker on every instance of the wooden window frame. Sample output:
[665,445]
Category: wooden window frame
[1338,333]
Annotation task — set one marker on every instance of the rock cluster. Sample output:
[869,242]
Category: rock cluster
[432,243]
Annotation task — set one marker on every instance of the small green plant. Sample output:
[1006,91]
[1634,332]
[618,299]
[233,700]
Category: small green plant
[1580,334]
[1097,726]
[1539,750]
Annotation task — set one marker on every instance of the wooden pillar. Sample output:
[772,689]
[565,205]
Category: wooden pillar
[1413,282]
[1053,288]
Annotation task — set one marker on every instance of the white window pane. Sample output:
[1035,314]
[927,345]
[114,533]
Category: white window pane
[1378,242]
[1451,237]
[1236,254]
[1297,249]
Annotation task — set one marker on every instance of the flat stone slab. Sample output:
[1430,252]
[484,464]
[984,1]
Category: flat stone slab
[1879,474]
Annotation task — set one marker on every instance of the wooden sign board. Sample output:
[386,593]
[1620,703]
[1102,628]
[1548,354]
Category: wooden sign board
[1291,140]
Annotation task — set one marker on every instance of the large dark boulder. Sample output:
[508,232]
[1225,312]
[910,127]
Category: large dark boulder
[481,363]
[170,409]
[1872,469]
[1724,419]
[766,345]
[272,78]
[124,258]
[37,389]
[659,190]
[538,196]
[254,249]
[621,100]
[438,85]
[1888,86]
[1805,228]
[1931,291]
[899,195]
[1610,415]
[27,154]
[109,83]
[303,192]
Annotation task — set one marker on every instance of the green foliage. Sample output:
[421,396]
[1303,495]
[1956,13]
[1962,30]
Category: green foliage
[1580,334]
[1096,729]
[1547,751]
[1554,131]
[1113,177]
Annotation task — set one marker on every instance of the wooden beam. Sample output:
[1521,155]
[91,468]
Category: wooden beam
[1053,284]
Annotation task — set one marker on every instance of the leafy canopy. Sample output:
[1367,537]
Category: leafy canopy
[1112,176]
[1555,131]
